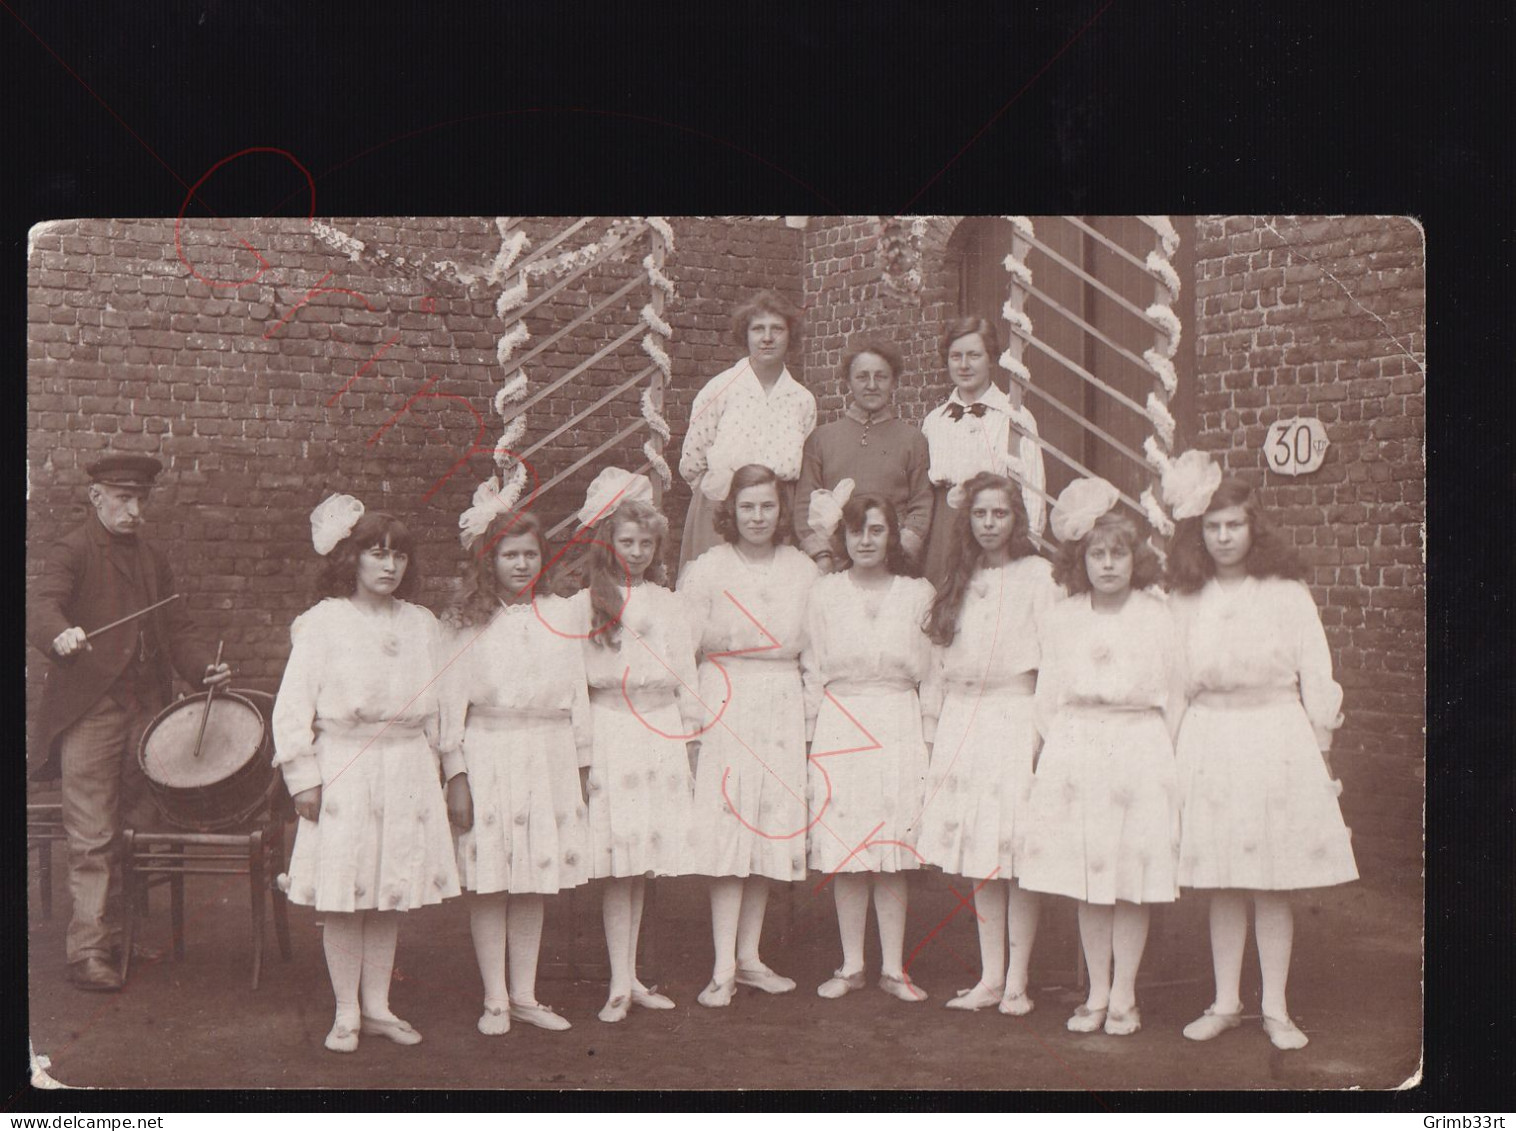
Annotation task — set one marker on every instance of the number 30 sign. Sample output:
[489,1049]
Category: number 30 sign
[1297,446]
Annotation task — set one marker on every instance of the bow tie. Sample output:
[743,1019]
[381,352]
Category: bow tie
[955,411]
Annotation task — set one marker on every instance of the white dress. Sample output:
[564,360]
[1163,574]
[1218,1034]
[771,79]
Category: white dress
[1103,820]
[356,714]
[642,698]
[868,758]
[1258,808]
[981,766]
[516,716]
[750,814]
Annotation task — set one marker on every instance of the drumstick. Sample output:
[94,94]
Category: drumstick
[209,698]
[129,616]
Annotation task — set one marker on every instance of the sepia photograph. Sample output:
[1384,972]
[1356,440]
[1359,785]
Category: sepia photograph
[706,652]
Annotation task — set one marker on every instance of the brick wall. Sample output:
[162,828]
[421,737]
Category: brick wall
[846,300]
[1325,317]
[128,350]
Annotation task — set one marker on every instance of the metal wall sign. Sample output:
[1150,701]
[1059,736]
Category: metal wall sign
[1296,446]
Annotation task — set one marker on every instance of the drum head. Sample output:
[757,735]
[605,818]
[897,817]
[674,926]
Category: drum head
[234,735]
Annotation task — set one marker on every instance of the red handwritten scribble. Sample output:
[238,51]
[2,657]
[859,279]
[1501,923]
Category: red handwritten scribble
[318,289]
[263,264]
[425,393]
[752,828]
[963,901]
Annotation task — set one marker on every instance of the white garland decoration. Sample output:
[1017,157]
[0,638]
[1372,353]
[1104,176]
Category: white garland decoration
[1017,318]
[1015,365]
[1160,266]
[1156,456]
[350,246]
[1162,418]
[510,298]
[510,340]
[1167,235]
[1154,513]
[653,322]
[656,277]
[1164,368]
[655,420]
[663,228]
[660,465]
[1023,224]
[654,350]
[512,390]
[1163,314]
[1019,269]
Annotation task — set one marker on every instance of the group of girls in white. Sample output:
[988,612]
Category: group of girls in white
[1035,728]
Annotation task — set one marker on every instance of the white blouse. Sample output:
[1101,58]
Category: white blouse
[1000,628]
[843,642]
[734,422]
[1126,659]
[525,659]
[733,606]
[353,669]
[1265,633]
[961,449]
[654,650]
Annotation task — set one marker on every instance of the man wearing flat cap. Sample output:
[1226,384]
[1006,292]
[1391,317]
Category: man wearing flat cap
[103,689]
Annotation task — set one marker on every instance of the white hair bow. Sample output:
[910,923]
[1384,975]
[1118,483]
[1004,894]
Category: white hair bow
[487,505]
[333,520]
[1078,507]
[1189,482]
[612,487]
[825,510]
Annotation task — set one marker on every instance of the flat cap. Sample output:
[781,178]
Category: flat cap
[125,471]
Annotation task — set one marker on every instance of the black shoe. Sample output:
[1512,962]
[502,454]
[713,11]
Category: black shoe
[94,974]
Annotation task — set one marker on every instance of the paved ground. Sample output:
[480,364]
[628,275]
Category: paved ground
[1355,988]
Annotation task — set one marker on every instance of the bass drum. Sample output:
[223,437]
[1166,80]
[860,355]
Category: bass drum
[229,779]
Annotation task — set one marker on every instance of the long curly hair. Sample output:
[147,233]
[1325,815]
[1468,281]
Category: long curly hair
[339,571]
[608,577]
[966,554]
[724,517]
[481,596]
[855,513]
[1190,563]
[1118,525]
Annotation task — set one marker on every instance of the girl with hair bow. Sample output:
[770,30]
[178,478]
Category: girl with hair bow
[640,661]
[1103,819]
[355,733]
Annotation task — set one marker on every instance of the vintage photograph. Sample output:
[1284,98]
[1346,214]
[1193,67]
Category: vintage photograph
[884,652]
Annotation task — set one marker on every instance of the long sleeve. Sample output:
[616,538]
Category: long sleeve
[294,716]
[1046,700]
[1030,454]
[579,715]
[933,690]
[812,663]
[705,422]
[681,659]
[45,617]
[1319,692]
[812,476]
[1174,671]
[452,699]
[916,518]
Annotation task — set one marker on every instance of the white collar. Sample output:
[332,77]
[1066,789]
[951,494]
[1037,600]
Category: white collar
[991,396]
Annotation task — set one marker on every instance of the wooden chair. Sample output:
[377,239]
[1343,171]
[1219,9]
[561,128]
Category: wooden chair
[167,857]
[44,825]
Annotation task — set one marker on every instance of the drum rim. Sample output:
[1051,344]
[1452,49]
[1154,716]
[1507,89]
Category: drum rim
[179,704]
